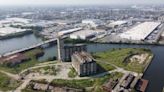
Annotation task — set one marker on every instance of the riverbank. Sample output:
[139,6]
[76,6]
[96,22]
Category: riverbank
[121,58]
[20,34]
[149,60]
[128,43]
[33,55]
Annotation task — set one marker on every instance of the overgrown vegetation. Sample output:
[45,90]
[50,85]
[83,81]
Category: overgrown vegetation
[118,56]
[33,54]
[94,83]
[19,67]
[51,70]
[106,67]
[72,73]
[7,83]
[74,83]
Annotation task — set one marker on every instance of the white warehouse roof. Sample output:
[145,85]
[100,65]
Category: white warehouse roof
[117,23]
[9,30]
[69,31]
[15,19]
[141,31]
[120,22]
[93,22]
[83,34]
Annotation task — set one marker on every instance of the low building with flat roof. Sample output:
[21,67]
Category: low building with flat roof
[142,85]
[117,23]
[84,63]
[127,81]
[64,32]
[5,31]
[86,34]
[93,22]
[141,31]
[110,85]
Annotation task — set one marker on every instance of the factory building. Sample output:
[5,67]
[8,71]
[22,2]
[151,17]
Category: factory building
[93,22]
[161,18]
[7,31]
[127,81]
[70,49]
[142,85]
[141,31]
[84,63]
[65,51]
[86,34]
[14,21]
[117,23]
[10,27]
[64,32]
[66,22]
[110,85]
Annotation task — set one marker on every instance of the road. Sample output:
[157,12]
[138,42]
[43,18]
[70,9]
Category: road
[23,85]
[14,76]
[43,65]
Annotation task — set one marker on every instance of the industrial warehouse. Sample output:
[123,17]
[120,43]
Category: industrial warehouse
[117,23]
[141,31]
[9,31]
[87,34]
[84,63]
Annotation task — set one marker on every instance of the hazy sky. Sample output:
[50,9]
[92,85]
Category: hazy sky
[77,2]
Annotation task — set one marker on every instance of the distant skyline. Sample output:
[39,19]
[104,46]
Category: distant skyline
[79,2]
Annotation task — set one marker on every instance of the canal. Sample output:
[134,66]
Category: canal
[154,73]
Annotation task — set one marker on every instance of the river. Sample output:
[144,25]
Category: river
[154,73]
[7,45]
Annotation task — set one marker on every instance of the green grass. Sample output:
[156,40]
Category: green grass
[107,67]
[7,83]
[51,70]
[74,83]
[97,87]
[72,73]
[118,56]
[18,68]
[33,52]
[84,83]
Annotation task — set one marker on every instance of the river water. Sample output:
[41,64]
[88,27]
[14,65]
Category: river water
[7,45]
[154,73]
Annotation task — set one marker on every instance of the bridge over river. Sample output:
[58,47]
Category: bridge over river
[30,47]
